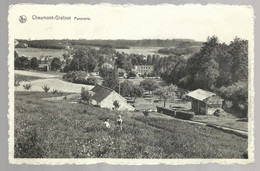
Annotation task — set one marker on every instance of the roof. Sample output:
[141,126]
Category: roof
[101,92]
[200,94]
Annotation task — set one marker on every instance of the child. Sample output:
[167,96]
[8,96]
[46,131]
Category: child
[107,124]
[119,122]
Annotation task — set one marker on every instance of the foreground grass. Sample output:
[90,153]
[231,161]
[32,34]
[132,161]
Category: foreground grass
[59,129]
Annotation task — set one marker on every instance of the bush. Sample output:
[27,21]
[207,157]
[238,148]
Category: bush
[16,83]
[45,88]
[27,86]
[146,113]
[54,91]
[85,95]
[187,115]
[91,81]
[79,77]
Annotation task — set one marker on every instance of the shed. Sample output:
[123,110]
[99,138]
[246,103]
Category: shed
[204,102]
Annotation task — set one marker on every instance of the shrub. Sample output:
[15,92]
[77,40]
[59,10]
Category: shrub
[60,93]
[16,83]
[79,77]
[91,81]
[187,115]
[54,91]
[27,86]
[146,113]
[116,104]
[45,88]
[85,95]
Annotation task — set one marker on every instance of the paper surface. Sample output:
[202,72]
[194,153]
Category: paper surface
[129,22]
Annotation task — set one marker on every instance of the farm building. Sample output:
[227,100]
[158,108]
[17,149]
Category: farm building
[204,102]
[105,97]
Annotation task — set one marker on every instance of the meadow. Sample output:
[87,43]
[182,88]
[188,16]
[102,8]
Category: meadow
[45,129]
[38,52]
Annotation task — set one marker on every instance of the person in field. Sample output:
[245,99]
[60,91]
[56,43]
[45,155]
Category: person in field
[119,122]
[107,124]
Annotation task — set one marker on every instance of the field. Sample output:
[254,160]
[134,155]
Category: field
[45,129]
[37,52]
[142,51]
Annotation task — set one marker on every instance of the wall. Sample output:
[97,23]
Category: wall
[109,100]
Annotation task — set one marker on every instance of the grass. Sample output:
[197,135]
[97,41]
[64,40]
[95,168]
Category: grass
[19,77]
[45,129]
[229,121]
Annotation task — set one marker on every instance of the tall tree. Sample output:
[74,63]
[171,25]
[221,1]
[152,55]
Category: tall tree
[55,64]
[166,92]
[149,85]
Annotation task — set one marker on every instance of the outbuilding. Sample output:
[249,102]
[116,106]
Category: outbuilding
[105,97]
[204,102]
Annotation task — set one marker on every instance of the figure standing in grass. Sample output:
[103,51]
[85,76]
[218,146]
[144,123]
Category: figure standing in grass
[107,124]
[119,122]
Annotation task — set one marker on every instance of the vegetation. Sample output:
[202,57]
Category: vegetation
[149,85]
[64,130]
[27,86]
[19,77]
[45,88]
[166,92]
[116,104]
[79,77]
[55,64]
[85,95]
[216,67]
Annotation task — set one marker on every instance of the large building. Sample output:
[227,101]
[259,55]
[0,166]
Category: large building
[204,102]
[105,97]
[144,69]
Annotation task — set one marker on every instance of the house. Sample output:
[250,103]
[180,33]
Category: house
[144,69]
[105,97]
[204,102]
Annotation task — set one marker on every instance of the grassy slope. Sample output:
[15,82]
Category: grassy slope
[62,130]
[19,77]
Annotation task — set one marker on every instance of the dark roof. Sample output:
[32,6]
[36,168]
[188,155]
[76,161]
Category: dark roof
[101,92]
[200,94]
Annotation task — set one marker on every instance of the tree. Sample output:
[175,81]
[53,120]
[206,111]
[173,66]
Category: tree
[23,63]
[111,79]
[85,95]
[55,64]
[148,85]
[137,91]
[166,92]
[34,63]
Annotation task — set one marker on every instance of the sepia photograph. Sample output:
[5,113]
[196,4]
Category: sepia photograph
[129,84]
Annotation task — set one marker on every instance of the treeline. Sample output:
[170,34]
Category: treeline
[179,50]
[216,67]
[45,44]
[116,44]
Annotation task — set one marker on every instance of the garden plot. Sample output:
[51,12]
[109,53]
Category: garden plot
[53,83]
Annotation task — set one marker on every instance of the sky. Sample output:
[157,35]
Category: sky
[133,22]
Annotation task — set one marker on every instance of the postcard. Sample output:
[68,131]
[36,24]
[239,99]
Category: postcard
[131,84]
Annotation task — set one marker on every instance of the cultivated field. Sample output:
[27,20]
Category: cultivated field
[37,52]
[142,51]
[63,130]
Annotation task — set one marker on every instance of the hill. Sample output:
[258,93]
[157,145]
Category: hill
[61,129]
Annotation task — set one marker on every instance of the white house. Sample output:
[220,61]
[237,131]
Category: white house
[105,97]
[142,69]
